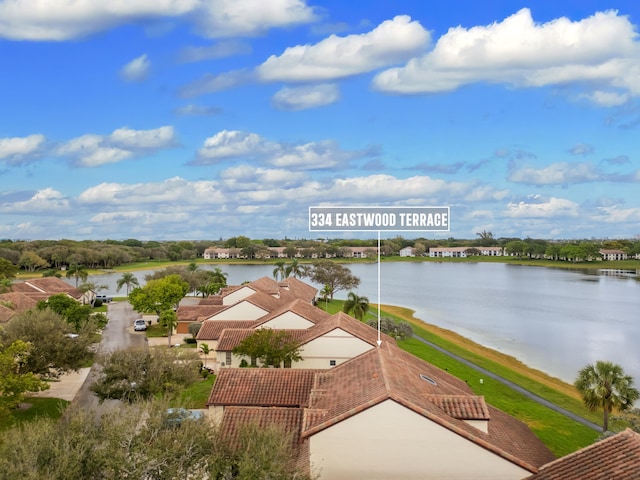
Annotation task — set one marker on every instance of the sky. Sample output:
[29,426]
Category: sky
[208,119]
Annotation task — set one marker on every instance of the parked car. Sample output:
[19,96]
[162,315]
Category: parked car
[139,325]
[104,298]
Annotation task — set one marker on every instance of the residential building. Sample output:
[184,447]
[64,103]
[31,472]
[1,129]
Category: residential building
[613,254]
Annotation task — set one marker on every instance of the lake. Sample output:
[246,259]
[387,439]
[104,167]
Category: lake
[555,320]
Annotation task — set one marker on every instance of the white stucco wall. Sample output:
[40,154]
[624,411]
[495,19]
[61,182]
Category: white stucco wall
[288,320]
[240,311]
[237,295]
[388,441]
[337,345]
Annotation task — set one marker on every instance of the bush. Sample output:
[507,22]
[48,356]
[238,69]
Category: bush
[396,329]
[97,303]
[194,328]
[190,340]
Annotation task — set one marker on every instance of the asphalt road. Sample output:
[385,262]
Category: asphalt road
[118,334]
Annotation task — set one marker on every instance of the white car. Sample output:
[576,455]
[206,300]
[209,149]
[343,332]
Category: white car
[139,325]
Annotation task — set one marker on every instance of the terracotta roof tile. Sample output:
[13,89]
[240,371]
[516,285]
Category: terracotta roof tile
[18,301]
[231,337]
[347,323]
[462,407]
[211,300]
[300,307]
[262,387]
[48,285]
[211,329]
[616,457]
[191,313]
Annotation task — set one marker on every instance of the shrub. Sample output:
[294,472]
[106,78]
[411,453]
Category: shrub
[190,340]
[194,328]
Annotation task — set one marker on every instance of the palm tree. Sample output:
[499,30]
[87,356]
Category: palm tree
[294,269]
[127,279]
[169,319]
[280,270]
[79,272]
[356,304]
[204,348]
[605,385]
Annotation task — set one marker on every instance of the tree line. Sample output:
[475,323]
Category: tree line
[50,256]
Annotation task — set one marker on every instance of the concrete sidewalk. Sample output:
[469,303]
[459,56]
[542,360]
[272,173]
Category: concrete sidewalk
[66,387]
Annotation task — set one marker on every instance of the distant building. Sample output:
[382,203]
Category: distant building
[613,255]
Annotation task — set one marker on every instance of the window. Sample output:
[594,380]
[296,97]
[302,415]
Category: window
[332,363]
[228,359]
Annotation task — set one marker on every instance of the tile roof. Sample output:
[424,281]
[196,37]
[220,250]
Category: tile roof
[211,329]
[300,307]
[211,300]
[6,313]
[48,285]
[262,387]
[19,302]
[191,313]
[616,457]
[389,373]
[347,323]
[231,337]
[299,289]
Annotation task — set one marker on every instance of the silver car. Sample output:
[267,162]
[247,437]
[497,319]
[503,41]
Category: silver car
[139,325]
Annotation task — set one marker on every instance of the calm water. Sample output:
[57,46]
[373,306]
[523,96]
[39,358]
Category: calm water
[551,319]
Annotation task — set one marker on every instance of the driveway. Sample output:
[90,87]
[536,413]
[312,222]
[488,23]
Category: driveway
[118,334]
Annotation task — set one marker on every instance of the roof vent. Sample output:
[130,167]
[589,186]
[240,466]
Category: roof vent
[428,379]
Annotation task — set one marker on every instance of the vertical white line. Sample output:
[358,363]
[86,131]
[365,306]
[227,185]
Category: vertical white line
[379,341]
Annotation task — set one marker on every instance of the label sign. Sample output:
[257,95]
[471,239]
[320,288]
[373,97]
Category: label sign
[379,218]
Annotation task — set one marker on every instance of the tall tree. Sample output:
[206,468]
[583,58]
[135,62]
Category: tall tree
[333,275]
[295,269]
[159,295]
[605,385]
[169,319]
[280,269]
[127,279]
[78,272]
[356,304]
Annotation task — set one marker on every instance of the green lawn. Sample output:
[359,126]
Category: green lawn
[196,395]
[40,407]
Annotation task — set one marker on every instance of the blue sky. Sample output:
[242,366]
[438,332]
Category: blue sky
[201,119]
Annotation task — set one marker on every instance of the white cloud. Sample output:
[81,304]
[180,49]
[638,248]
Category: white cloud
[393,41]
[600,49]
[562,173]
[47,201]
[69,19]
[226,48]
[20,150]
[137,70]
[614,214]
[233,144]
[227,18]
[95,150]
[248,177]
[537,207]
[581,149]
[174,191]
[229,144]
[215,83]
[302,98]
[192,109]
